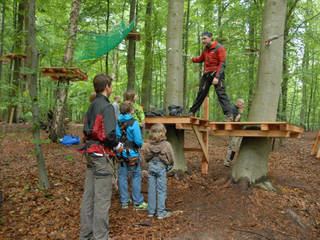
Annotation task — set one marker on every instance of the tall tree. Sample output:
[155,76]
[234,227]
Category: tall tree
[148,59]
[174,79]
[57,128]
[252,49]
[107,29]
[131,70]
[3,14]
[32,64]
[185,59]
[18,49]
[284,85]
[252,163]
[2,41]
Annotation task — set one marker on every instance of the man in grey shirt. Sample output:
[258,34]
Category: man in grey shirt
[115,104]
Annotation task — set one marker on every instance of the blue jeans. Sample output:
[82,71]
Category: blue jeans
[157,186]
[135,173]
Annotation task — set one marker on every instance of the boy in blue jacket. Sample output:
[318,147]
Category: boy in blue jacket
[128,131]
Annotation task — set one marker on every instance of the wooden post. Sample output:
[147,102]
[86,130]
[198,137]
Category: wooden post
[314,148]
[205,137]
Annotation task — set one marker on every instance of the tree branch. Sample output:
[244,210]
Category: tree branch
[307,20]
[248,231]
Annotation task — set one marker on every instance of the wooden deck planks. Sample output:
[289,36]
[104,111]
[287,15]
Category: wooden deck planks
[243,129]
[64,73]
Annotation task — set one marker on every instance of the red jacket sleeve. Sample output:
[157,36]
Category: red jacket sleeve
[221,52]
[198,59]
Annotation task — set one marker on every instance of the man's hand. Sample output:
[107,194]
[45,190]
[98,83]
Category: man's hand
[215,81]
[119,150]
[191,59]
[119,147]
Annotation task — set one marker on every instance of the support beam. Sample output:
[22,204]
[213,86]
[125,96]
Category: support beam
[315,145]
[205,137]
[203,147]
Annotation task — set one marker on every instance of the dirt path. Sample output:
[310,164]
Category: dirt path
[204,206]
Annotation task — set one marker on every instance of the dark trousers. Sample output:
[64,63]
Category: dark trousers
[204,87]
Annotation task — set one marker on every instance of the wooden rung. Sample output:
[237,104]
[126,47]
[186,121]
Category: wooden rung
[252,133]
[193,149]
[187,126]
[295,135]
[168,120]
[228,127]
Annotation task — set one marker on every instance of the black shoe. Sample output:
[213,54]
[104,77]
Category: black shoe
[229,119]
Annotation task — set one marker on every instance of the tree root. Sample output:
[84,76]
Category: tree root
[267,185]
[252,232]
[177,174]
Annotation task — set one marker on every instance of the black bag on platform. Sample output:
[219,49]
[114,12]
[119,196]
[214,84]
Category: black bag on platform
[155,113]
[175,110]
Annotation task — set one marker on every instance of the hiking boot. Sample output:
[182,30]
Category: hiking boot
[165,214]
[126,205]
[142,206]
[229,119]
[227,163]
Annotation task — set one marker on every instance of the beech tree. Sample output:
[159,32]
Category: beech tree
[32,65]
[252,163]
[57,129]
[174,79]
[148,58]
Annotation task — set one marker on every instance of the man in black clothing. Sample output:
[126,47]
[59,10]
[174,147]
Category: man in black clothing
[100,141]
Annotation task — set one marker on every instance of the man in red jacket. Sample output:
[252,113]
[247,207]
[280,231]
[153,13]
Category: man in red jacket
[100,141]
[214,58]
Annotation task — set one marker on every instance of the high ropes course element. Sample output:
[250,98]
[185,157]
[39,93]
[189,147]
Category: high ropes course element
[91,45]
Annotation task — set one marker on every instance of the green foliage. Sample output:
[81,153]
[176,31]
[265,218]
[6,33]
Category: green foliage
[237,18]
[69,158]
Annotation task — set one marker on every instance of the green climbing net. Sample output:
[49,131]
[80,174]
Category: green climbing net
[95,45]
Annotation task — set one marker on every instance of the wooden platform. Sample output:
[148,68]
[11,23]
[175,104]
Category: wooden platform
[134,35]
[4,60]
[64,73]
[256,129]
[315,148]
[12,56]
[241,129]
[202,128]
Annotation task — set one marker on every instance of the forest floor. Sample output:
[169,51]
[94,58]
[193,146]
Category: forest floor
[205,207]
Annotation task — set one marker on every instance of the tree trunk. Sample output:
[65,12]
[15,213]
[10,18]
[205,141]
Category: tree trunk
[17,63]
[186,58]
[148,59]
[252,50]
[305,68]
[285,81]
[131,70]
[1,45]
[57,129]
[252,162]
[174,80]
[32,64]
[107,29]
[312,88]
